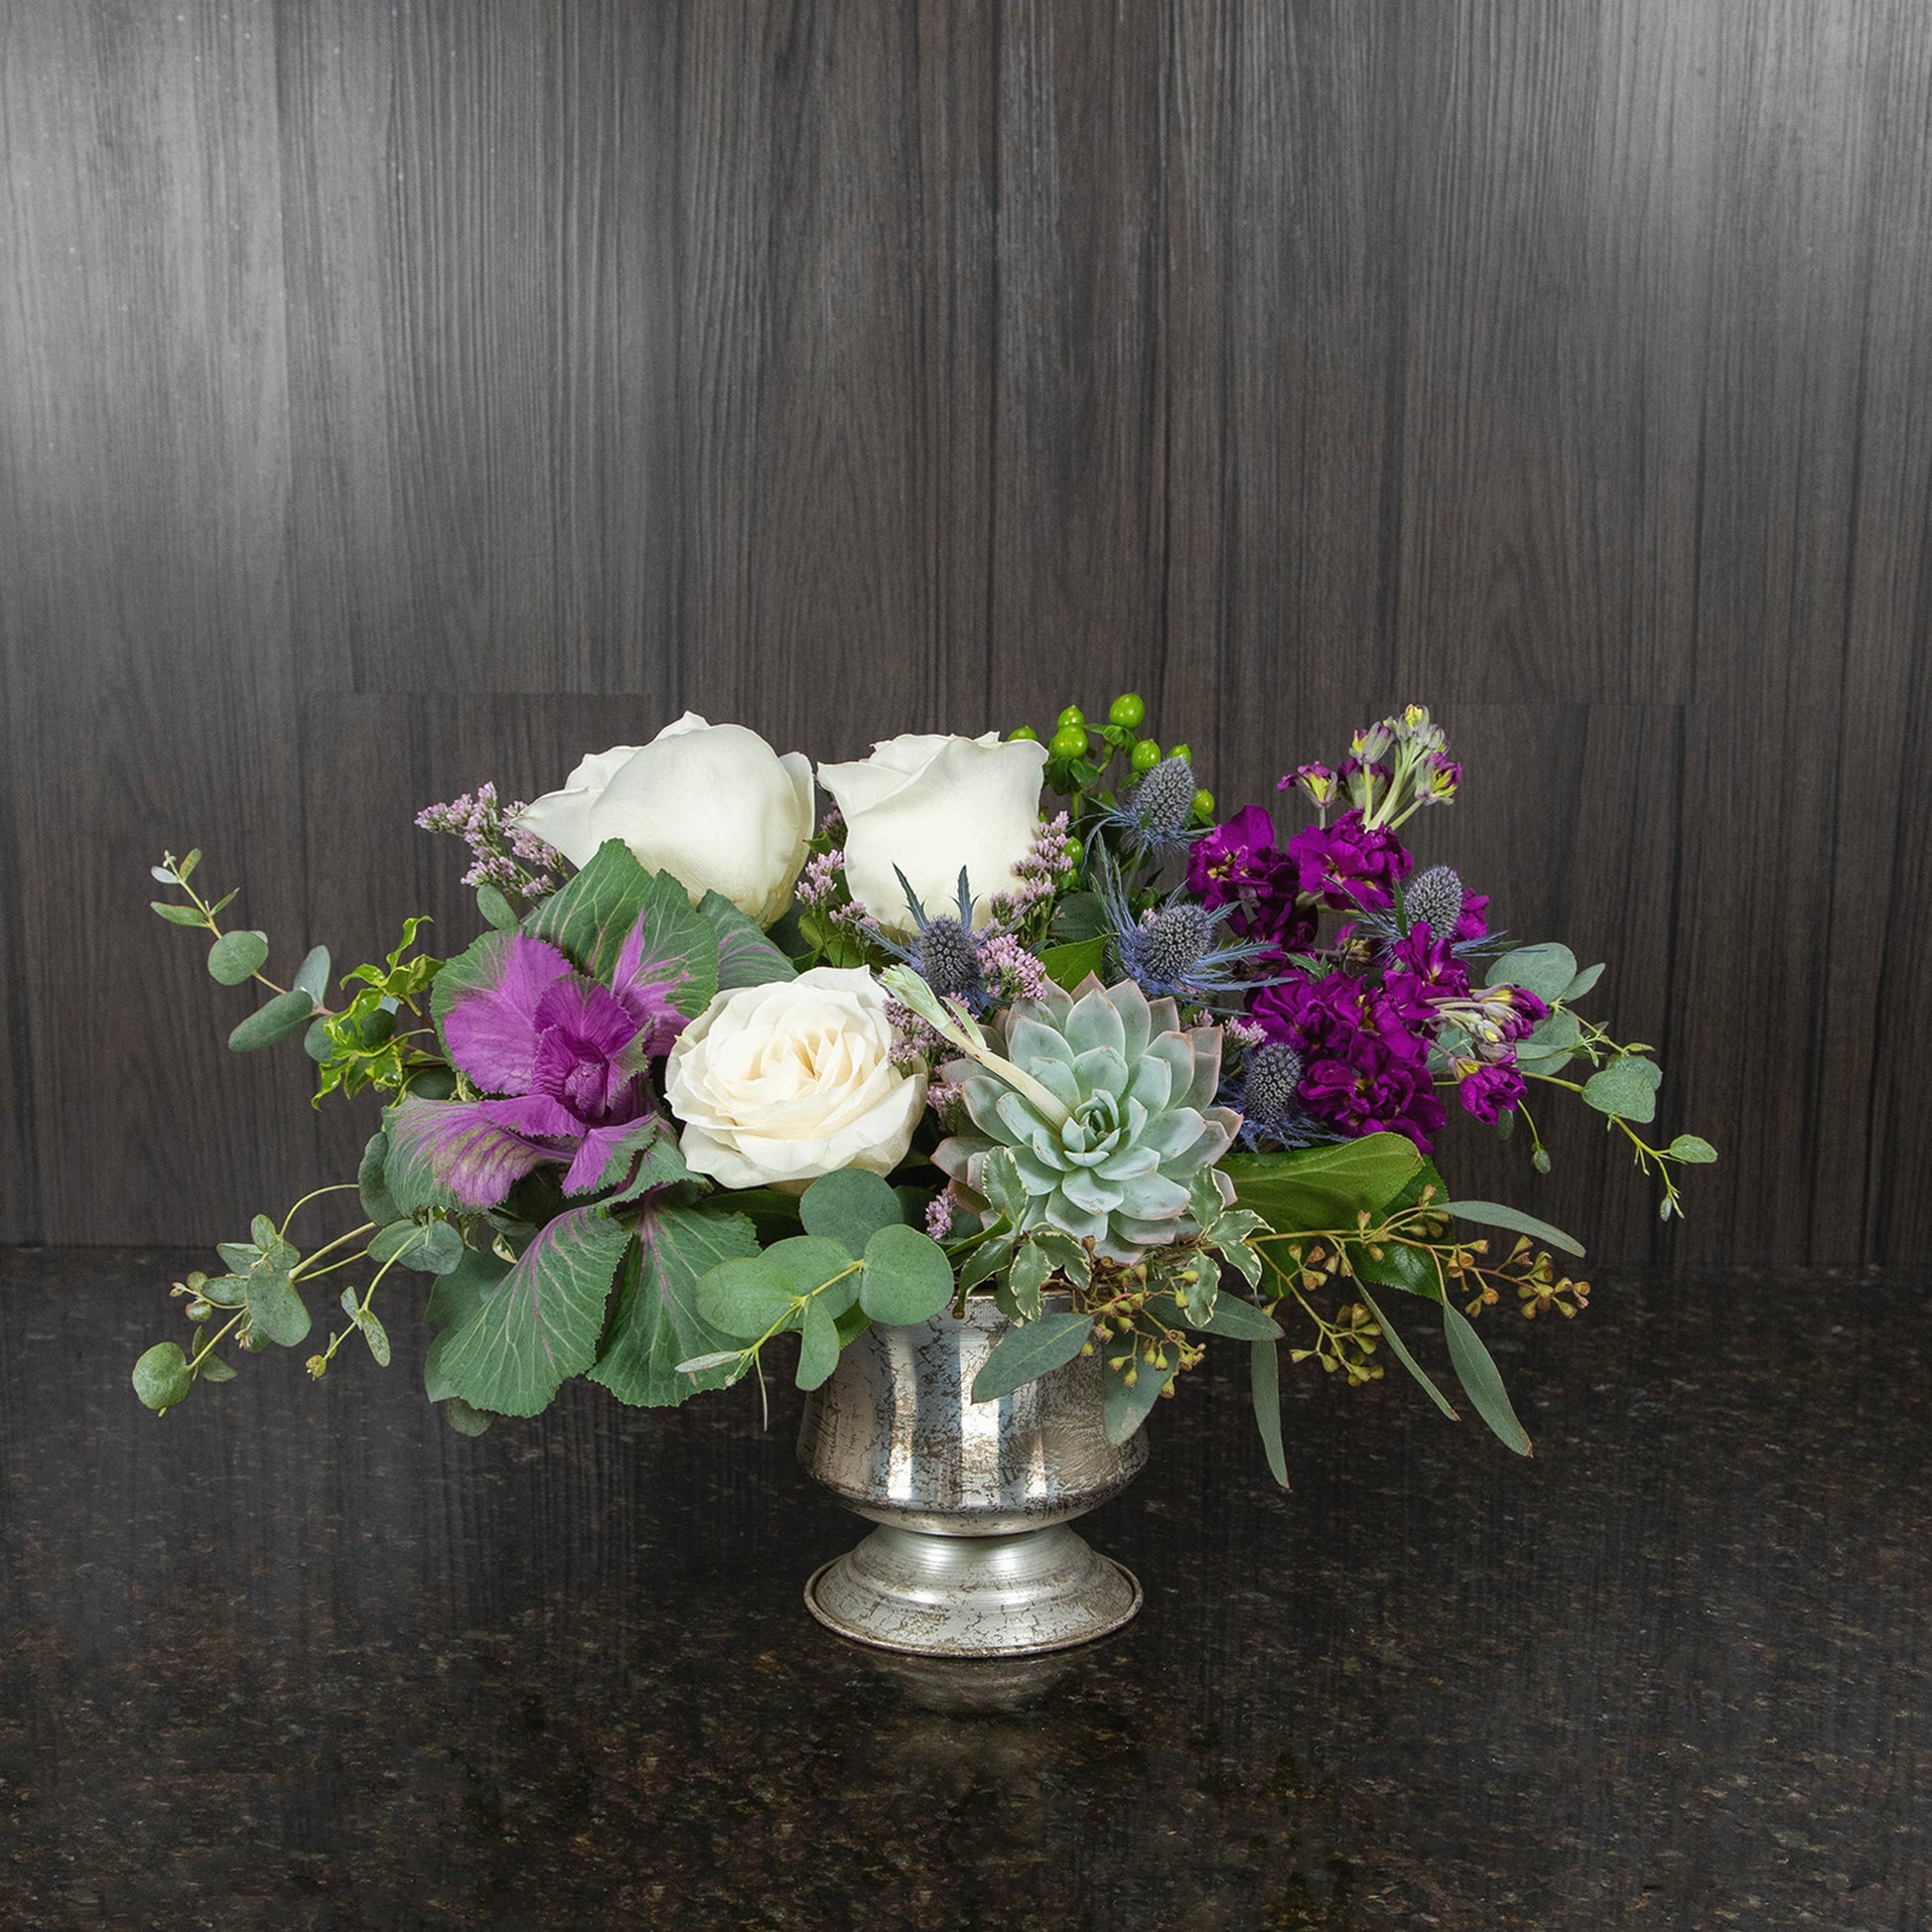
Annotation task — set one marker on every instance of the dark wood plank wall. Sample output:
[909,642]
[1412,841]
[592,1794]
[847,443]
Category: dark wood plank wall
[394,397]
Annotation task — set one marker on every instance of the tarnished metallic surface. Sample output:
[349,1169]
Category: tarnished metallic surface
[972,1558]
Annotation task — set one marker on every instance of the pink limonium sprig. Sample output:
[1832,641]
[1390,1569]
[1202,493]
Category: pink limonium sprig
[1044,871]
[504,855]
[1010,971]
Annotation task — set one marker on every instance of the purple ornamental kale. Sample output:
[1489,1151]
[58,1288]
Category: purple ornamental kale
[562,1058]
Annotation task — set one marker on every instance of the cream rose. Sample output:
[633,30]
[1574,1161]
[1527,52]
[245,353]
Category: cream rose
[786,1081]
[928,805]
[714,805]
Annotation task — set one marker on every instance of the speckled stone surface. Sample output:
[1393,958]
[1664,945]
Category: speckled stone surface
[301,1657]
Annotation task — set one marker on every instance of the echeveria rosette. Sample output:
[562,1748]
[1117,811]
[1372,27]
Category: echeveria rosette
[560,1059]
[1132,1118]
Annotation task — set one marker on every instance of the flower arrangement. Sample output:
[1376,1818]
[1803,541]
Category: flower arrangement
[1015,1017]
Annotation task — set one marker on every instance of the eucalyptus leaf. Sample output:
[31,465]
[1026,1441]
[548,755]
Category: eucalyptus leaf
[1495,1214]
[1237,1320]
[1030,1351]
[746,1297]
[1581,984]
[816,1265]
[1546,970]
[1125,1406]
[161,1377]
[496,911]
[393,1240]
[1625,1089]
[375,1335]
[288,1012]
[238,956]
[312,976]
[1480,1382]
[1403,1355]
[1691,1150]
[178,914]
[818,1344]
[262,1233]
[371,1188]
[718,1359]
[1265,1387]
[908,1276]
[276,1309]
[441,1252]
[850,1207]
[464,1418]
[215,1369]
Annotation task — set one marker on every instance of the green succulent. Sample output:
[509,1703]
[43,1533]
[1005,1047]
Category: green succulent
[1106,1104]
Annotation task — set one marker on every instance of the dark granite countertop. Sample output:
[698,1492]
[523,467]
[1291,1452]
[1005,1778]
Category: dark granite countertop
[299,1656]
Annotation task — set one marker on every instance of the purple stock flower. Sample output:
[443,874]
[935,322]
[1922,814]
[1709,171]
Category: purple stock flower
[1489,1092]
[1346,866]
[1429,962]
[562,1059]
[1364,1051]
[1237,864]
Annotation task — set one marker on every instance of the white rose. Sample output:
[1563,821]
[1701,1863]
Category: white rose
[928,805]
[783,1083]
[712,804]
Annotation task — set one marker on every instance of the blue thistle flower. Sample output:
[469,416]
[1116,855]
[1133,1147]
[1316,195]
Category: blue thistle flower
[1174,951]
[944,951]
[1436,895]
[1272,1114]
[1153,817]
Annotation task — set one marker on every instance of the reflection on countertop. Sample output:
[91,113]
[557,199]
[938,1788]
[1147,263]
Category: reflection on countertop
[299,1655]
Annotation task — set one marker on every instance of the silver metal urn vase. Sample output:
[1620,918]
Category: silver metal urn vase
[973,1555]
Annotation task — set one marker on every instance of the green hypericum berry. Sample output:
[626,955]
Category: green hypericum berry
[1129,710]
[1146,756]
[1069,742]
[1073,715]
[1024,731]
[1181,751]
[1204,805]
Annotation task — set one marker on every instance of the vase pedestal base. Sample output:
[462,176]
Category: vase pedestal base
[1008,1595]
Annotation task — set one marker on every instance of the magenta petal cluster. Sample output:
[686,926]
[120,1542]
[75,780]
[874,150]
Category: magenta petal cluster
[1237,864]
[562,1059]
[1364,1051]
[1347,866]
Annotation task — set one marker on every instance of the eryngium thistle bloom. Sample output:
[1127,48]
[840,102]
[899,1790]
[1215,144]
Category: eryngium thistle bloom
[1435,896]
[1161,803]
[1135,1096]
[1167,946]
[1274,1072]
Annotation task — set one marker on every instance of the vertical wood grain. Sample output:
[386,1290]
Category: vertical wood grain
[396,396]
